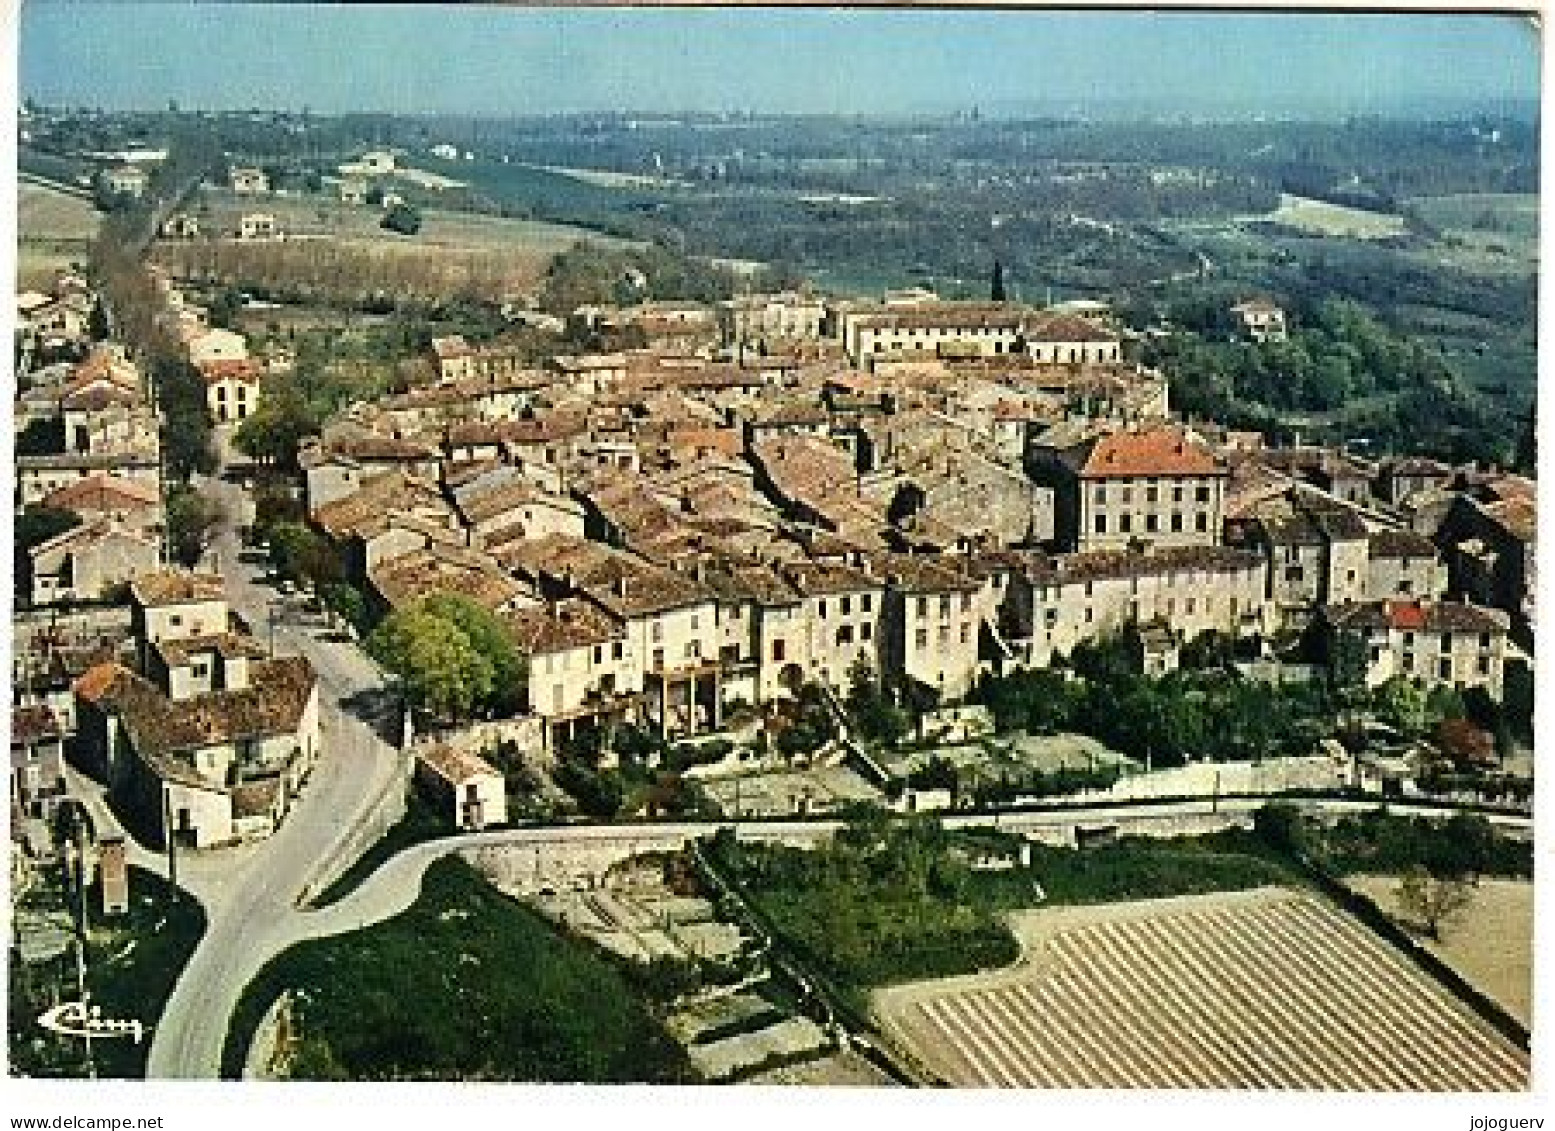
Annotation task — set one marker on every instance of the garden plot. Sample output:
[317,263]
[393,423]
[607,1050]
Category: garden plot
[642,924]
[789,792]
[842,1070]
[711,1018]
[794,1037]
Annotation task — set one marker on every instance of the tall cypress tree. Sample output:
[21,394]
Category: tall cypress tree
[997,291]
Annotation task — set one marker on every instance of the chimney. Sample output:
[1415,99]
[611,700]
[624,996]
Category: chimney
[621,586]
[113,866]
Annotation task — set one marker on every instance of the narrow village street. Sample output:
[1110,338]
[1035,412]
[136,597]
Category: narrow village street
[251,893]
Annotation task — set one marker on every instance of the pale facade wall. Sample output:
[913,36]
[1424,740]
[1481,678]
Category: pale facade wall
[938,637]
[842,628]
[1418,578]
[1452,659]
[678,640]
[230,399]
[34,482]
[329,482]
[183,621]
[862,341]
[207,813]
[1191,601]
[95,566]
[782,640]
[561,681]
[1168,510]
[1075,353]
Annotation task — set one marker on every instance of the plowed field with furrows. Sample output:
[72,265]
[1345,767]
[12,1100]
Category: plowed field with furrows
[1283,993]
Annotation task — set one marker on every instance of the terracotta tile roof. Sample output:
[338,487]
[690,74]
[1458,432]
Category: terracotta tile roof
[1518,516]
[1416,466]
[451,347]
[1048,327]
[1148,451]
[256,798]
[88,461]
[1098,565]
[103,493]
[1419,616]
[962,315]
[175,587]
[272,704]
[790,413]
[227,645]
[377,496]
[752,583]
[98,396]
[99,680]
[437,569]
[561,625]
[455,766]
[919,573]
[1299,518]
[245,369]
[370,448]
[486,505]
[818,579]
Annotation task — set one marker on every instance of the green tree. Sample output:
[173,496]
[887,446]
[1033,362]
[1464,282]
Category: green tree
[438,668]
[1347,662]
[302,554]
[346,602]
[869,707]
[402,218]
[1403,703]
[315,1059]
[1281,827]
[491,638]
[275,430]
[41,438]
[193,521]
[996,290]
[1433,901]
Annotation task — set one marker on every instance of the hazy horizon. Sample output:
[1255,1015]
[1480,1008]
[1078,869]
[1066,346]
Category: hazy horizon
[485,62]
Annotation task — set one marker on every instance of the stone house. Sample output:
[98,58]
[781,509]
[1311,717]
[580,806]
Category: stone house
[37,763]
[1404,564]
[87,561]
[463,785]
[1054,603]
[1260,319]
[232,388]
[1149,483]
[210,767]
[1440,643]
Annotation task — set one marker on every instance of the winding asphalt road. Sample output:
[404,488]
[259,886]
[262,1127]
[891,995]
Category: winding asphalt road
[250,894]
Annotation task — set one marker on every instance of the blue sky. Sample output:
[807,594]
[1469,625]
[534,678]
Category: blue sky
[503,60]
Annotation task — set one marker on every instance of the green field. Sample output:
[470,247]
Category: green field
[1511,214]
[465,985]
